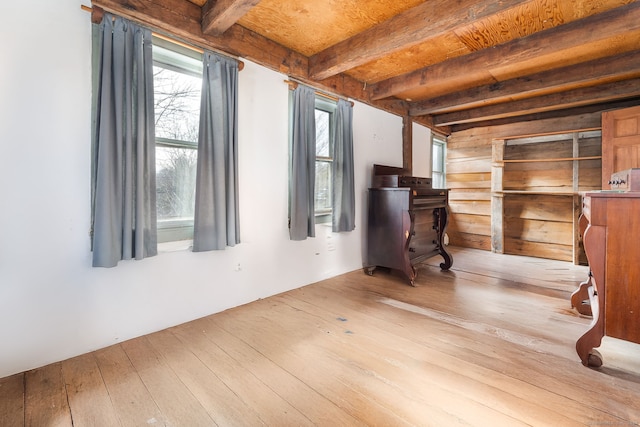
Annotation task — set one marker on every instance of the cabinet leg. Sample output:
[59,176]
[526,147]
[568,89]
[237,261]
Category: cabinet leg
[580,298]
[585,346]
[411,274]
[595,359]
[594,238]
[442,219]
[448,260]
[369,270]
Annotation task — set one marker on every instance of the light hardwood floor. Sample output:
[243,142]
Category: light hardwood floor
[489,343]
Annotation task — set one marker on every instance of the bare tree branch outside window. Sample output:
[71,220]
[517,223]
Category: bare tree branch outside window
[177,105]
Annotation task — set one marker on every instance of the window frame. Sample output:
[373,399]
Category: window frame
[171,56]
[323,216]
[438,176]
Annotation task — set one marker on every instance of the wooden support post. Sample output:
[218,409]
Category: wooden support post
[497,196]
[577,200]
[407,143]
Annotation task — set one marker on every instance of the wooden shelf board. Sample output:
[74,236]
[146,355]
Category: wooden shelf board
[545,193]
[562,159]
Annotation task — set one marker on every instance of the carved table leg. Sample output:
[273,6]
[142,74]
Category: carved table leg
[580,296]
[594,244]
[441,222]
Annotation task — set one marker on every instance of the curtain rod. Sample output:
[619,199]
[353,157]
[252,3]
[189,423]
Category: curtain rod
[172,40]
[294,84]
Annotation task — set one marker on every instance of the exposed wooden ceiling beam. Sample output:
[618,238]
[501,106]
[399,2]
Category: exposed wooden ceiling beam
[613,23]
[557,101]
[181,19]
[219,15]
[578,114]
[619,67]
[416,25]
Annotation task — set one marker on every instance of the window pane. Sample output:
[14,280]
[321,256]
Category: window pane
[323,186]
[437,157]
[322,133]
[437,180]
[176,180]
[177,104]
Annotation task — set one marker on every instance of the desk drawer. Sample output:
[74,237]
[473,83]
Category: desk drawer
[430,202]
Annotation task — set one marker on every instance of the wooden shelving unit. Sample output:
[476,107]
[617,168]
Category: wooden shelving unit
[536,186]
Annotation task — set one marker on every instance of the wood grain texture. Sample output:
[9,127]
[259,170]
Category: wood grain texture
[219,15]
[169,390]
[470,240]
[460,348]
[620,136]
[475,224]
[557,101]
[480,180]
[88,396]
[614,68]
[130,398]
[45,398]
[427,21]
[12,400]
[464,63]
[182,20]
[332,20]
[471,179]
[606,28]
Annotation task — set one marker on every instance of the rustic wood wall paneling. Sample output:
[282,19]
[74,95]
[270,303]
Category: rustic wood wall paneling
[469,176]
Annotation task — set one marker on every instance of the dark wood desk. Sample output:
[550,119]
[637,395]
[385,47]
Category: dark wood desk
[406,226]
[613,251]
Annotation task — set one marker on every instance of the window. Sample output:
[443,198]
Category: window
[320,164]
[438,156]
[325,122]
[177,83]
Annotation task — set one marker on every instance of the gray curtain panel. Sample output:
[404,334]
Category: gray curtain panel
[303,164]
[216,221]
[344,203]
[124,219]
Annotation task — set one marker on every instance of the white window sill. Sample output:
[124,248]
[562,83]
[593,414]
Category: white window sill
[176,246]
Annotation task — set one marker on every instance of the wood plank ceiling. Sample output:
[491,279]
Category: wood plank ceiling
[449,64]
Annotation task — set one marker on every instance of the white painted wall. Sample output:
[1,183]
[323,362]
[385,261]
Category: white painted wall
[421,150]
[53,304]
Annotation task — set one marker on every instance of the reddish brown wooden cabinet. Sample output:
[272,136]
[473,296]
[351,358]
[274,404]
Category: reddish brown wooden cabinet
[610,241]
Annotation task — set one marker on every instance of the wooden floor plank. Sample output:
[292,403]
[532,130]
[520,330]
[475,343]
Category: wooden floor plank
[438,376]
[46,398]
[303,396]
[12,400]
[456,354]
[255,393]
[131,400]
[176,402]
[328,379]
[368,399]
[221,404]
[88,396]
[490,342]
[492,351]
